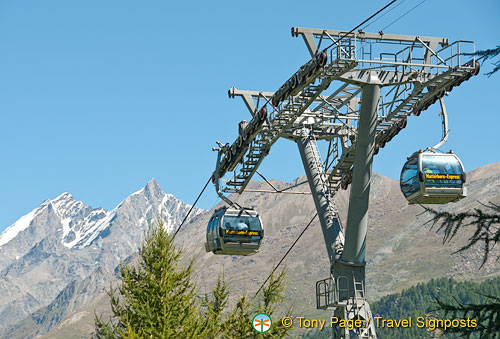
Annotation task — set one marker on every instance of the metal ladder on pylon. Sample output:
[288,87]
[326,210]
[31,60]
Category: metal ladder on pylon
[318,164]
[359,305]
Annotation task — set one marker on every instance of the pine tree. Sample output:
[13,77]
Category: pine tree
[214,306]
[486,224]
[487,233]
[237,324]
[487,314]
[156,298]
[490,54]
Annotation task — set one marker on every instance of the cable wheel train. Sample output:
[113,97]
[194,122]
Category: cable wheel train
[234,232]
[433,178]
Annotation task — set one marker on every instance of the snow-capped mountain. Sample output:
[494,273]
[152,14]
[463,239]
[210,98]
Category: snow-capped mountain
[81,224]
[23,223]
[63,240]
[65,208]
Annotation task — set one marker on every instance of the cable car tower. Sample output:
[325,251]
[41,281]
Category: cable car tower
[355,93]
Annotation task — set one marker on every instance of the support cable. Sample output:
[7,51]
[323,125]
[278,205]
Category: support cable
[277,190]
[403,15]
[274,188]
[380,17]
[276,267]
[293,186]
[361,24]
[192,207]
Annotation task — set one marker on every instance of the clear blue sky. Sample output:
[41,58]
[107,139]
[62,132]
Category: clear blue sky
[98,97]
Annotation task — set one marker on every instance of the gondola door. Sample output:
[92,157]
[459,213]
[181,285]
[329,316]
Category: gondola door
[213,242]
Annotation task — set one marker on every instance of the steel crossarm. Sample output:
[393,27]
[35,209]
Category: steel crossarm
[412,83]
[418,99]
[325,36]
[278,122]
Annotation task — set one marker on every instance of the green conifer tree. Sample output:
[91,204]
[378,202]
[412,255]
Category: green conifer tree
[490,54]
[156,298]
[237,324]
[487,233]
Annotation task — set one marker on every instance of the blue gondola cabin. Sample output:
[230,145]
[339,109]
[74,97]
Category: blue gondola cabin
[433,178]
[234,232]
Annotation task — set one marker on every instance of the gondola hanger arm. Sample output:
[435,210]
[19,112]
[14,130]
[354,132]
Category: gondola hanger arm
[444,117]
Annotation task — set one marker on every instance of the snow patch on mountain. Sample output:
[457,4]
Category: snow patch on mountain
[65,226]
[23,223]
[66,206]
[83,233]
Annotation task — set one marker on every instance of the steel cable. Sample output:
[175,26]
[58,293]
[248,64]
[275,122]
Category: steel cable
[191,209]
[276,267]
[361,24]
[403,15]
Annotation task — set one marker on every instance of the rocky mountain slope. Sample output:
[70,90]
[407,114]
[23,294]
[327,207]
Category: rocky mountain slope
[401,251]
[63,246]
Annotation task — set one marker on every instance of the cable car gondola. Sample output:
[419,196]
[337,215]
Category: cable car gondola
[234,232]
[429,177]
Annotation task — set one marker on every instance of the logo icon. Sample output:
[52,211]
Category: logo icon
[262,323]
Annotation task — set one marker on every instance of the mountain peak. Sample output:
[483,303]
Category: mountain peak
[64,196]
[20,225]
[153,185]
[151,188]
[151,191]
[64,206]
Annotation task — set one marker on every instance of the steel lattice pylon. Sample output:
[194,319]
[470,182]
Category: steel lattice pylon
[356,94]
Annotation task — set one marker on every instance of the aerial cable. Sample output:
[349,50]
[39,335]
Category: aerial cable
[191,209]
[404,15]
[361,24]
[267,181]
[380,17]
[290,187]
[276,267]
[278,191]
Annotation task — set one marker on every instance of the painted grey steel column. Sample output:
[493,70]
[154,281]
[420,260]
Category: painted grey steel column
[355,242]
[330,225]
